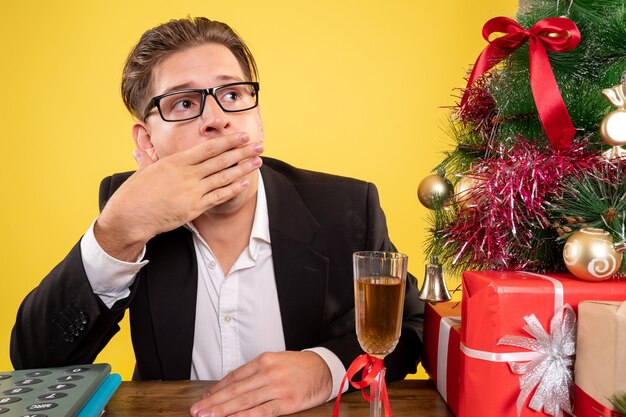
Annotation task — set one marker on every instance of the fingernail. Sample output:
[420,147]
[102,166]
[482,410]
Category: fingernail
[256,162]
[258,148]
[244,183]
[244,137]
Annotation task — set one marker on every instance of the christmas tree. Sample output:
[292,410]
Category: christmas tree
[527,162]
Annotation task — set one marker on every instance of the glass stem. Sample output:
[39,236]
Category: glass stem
[375,394]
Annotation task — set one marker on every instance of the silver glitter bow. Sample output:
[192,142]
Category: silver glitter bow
[551,373]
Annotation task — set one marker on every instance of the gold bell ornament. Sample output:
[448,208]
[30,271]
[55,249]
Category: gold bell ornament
[613,126]
[591,255]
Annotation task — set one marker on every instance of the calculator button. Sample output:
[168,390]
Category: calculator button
[38,373]
[41,406]
[9,400]
[61,387]
[51,396]
[28,381]
[4,376]
[68,378]
[76,370]
[17,391]
[3,410]
[35,415]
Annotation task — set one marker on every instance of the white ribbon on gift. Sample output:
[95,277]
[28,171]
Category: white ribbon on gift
[544,360]
[552,373]
[445,325]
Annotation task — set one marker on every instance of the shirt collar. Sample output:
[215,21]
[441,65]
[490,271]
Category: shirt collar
[261,224]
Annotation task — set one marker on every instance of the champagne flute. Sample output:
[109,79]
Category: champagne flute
[379,282]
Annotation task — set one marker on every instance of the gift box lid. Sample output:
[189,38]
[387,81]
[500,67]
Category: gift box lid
[495,303]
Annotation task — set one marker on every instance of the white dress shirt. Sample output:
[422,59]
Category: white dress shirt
[237,315]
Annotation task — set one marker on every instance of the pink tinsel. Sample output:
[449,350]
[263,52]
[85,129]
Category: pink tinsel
[514,186]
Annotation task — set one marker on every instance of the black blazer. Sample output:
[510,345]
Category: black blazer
[316,222]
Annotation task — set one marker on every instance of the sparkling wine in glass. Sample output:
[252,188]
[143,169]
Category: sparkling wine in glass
[379,282]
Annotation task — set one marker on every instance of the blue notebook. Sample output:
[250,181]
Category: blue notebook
[95,405]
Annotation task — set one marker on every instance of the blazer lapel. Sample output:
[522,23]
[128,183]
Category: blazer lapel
[172,280]
[301,273]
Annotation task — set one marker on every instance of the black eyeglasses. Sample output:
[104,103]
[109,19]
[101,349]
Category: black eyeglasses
[177,106]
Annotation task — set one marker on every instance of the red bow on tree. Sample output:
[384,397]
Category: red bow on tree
[556,34]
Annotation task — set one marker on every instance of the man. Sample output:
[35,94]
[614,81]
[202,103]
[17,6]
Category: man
[227,274]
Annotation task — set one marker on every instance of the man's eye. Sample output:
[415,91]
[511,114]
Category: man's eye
[232,95]
[183,104]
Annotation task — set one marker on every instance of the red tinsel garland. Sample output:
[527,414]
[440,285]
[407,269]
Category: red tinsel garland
[479,110]
[514,186]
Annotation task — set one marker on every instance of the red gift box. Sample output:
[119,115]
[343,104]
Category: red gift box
[441,354]
[496,304]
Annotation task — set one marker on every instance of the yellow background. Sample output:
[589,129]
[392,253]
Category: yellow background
[354,87]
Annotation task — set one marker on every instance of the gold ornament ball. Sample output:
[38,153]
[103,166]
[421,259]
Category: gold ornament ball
[590,255]
[613,128]
[435,191]
[465,192]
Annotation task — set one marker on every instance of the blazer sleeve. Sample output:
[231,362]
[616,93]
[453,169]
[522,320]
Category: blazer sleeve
[405,357]
[62,322]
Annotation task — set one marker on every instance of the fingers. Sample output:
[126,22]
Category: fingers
[244,388]
[268,408]
[242,373]
[241,398]
[213,147]
[246,402]
[234,157]
[226,175]
[220,167]
[271,384]
[222,177]
[142,159]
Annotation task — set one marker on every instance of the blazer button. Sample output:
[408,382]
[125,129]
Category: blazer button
[83,317]
[79,324]
[73,330]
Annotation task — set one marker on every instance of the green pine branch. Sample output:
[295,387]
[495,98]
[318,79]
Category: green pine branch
[595,200]
[619,403]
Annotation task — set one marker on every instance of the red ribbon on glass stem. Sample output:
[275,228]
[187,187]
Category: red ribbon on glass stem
[555,34]
[371,366]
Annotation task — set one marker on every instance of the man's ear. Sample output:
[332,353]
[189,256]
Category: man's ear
[143,140]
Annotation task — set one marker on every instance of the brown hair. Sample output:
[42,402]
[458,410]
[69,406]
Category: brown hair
[167,38]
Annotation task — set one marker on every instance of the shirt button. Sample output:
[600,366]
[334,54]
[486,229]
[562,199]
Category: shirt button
[227,319]
[211,264]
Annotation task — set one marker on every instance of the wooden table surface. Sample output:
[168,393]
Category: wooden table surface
[414,398]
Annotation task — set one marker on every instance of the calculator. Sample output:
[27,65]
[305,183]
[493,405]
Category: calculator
[71,391]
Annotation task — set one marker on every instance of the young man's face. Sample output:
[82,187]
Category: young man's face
[205,66]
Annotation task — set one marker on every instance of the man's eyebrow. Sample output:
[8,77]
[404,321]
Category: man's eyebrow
[183,86]
[231,78]
[189,85]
